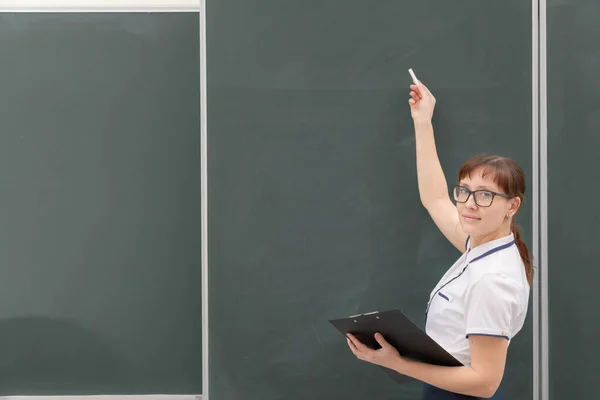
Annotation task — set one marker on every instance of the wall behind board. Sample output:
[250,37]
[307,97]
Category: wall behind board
[314,210]
[100,233]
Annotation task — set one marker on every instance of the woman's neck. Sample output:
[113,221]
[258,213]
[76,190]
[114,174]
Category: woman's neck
[479,240]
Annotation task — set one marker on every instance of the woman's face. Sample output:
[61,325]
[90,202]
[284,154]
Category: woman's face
[484,219]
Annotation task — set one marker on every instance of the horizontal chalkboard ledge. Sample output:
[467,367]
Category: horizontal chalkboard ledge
[100,6]
[108,397]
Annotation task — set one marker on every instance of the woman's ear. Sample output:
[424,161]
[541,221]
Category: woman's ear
[514,206]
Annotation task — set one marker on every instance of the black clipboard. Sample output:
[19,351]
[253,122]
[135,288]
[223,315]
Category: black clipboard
[398,330]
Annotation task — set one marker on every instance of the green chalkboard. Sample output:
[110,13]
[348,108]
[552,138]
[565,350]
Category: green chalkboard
[314,211]
[100,215]
[573,143]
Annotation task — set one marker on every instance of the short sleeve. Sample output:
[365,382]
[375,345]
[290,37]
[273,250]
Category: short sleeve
[491,306]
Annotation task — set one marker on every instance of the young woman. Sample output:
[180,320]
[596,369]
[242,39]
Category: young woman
[480,303]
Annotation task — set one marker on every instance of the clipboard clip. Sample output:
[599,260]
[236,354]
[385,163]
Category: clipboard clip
[361,315]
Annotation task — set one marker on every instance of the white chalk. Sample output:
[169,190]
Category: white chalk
[414,77]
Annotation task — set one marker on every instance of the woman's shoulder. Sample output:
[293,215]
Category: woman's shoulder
[503,265]
[505,279]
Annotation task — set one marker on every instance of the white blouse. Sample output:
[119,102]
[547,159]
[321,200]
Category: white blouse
[485,292]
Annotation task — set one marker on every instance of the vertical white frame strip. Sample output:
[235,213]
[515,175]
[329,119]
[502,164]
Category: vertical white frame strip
[540,200]
[535,201]
[544,345]
[204,198]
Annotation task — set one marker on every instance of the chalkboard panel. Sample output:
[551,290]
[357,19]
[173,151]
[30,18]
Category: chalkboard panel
[573,143]
[314,211]
[100,216]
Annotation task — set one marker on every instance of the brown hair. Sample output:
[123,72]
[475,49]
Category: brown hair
[510,178]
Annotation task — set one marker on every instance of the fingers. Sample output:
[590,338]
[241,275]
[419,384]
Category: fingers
[424,90]
[357,353]
[415,95]
[356,343]
[420,92]
[416,92]
[352,347]
[381,340]
[359,350]
[420,89]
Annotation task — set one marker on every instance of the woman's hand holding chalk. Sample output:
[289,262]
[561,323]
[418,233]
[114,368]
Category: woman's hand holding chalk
[422,102]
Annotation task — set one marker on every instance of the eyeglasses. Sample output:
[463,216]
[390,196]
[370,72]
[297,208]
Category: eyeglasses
[483,198]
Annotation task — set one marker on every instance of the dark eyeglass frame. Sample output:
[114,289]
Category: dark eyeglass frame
[494,194]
